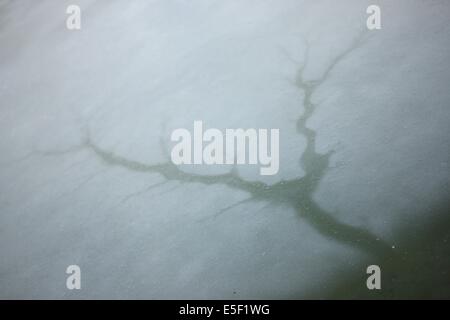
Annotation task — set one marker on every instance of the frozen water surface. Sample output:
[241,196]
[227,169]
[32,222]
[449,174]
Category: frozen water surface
[85,124]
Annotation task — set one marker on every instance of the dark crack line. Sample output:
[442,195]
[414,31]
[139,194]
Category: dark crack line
[140,192]
[297,193]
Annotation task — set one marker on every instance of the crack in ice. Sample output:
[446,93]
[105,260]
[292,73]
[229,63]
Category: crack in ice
[297,193]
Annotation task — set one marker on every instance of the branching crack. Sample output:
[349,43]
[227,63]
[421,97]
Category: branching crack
[296,193]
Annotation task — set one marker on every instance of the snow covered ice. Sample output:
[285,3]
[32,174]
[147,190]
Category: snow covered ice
[85,172]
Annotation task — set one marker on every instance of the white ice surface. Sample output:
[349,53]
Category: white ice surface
[139,69]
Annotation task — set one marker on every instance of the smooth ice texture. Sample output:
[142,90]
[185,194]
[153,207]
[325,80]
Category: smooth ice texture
[86,178]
